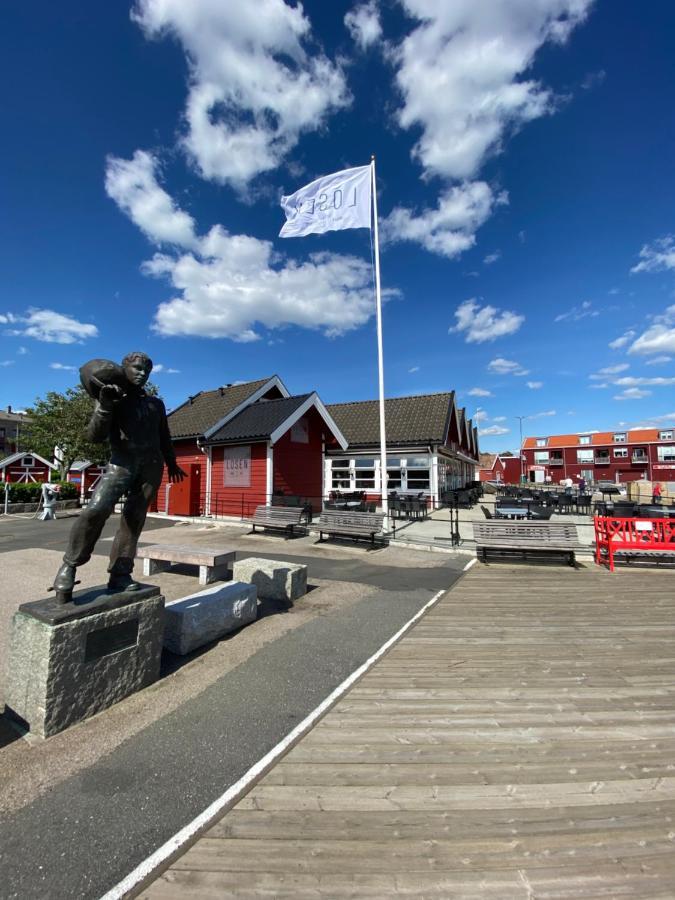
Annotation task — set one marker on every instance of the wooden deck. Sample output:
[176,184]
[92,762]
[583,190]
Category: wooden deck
[518,742]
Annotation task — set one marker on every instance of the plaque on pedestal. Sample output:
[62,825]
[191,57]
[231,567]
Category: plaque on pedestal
[68,661]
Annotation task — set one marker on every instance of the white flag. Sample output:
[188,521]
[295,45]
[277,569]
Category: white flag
[331,203]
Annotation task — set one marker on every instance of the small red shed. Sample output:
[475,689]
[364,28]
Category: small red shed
[26,467]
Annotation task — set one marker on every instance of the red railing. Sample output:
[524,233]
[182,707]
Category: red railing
[636,534]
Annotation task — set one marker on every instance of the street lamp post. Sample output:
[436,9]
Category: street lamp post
[520,451]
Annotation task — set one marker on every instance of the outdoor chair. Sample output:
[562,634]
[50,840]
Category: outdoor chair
[486,512]
[540,513]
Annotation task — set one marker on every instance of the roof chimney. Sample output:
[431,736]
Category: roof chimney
[9,409]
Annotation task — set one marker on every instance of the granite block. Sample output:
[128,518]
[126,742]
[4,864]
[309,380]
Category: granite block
[275,580]
[208,615]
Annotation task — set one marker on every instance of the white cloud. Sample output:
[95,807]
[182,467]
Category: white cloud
[598,387]
[254,87]
[480,416]
[603,374]
[658,256]
[460,74]
[501,366]
[658,360]
[160,368]
[543,415]
[659,337]
[479,392]
[631,381]
[492,258]
[484,323]
[413,369]
[622,341]
[62,368]
[236,282]
[658,421]
[534,385]
[5,363]
[52,327]
[493,430]
[22,351]
[132,184]
[633,394]
[499,419]
[228,284]
[363,24]
[584,311]
[450,228]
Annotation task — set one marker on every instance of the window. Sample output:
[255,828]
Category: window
[418,473]
[620,437]
[541,442]
[365,474]
[665,454]
[639,453]
[541,456]
[27,461]
[393,474]
[340,474]
[665,435]
[585,439]
[584,456]
[620,452]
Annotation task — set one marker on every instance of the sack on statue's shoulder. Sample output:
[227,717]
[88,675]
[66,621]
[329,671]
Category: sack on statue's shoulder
[97,372]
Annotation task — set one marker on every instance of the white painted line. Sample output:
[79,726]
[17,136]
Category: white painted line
[471,562]
[233,793]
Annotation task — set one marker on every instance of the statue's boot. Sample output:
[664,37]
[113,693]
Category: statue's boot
[122,581]
[64,583]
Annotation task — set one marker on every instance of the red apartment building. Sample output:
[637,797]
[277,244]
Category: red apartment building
[602,456]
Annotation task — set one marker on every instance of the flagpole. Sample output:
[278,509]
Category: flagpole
[380,359]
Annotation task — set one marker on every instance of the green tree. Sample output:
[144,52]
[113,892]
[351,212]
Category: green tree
[60,420]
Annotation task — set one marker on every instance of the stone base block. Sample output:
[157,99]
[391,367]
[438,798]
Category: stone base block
[208,615]
[68,661]
[274,580]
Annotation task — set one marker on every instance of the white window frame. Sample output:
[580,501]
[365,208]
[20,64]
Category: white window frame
[541,442]
[665,452]
[621,453]
[541,457]
[619,437]
[584,439]
[665,435]
[585,456]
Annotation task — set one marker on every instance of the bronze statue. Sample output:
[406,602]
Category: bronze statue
[136,426]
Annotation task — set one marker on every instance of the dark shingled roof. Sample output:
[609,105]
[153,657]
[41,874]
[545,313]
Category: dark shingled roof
[409,420]
[207,408]
[258,421]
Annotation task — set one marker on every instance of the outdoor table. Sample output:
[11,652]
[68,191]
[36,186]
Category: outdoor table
[511,512]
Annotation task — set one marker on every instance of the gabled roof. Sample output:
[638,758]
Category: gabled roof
[8,460]
[209,410]
[421,419]
[270,419]
[598,438]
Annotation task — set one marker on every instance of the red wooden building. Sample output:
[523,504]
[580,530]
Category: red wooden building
[26,467]
[242,444]
[602,456]
[85,475]
[504,468]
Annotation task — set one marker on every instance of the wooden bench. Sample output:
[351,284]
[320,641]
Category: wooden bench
[350,524]
[508,538]
[213,563]
[284,518]
[632,536]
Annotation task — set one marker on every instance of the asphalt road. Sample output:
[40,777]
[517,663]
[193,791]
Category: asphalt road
[89,831]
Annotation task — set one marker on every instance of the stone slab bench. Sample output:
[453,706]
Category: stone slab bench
[274,579]
[214,564]
[207,615]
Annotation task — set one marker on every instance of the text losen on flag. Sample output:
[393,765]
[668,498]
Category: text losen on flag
[337,201]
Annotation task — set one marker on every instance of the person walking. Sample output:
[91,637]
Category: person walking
[656,492]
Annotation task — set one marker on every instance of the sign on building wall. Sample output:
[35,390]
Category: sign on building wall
[237,466]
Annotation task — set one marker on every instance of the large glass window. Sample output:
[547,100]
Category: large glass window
[665,454]
[541,442]
[364,474]
[541,456]
[585,439]
[418,473]
[620,437]
[584,456]
[620,452]
[665,435]
[393,473]
[340,474]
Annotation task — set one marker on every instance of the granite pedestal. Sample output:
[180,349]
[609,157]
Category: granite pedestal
[274,579]
[68,661]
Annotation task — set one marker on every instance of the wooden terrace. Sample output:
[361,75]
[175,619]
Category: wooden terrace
[518,742]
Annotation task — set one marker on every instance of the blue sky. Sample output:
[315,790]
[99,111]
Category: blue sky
[525,188]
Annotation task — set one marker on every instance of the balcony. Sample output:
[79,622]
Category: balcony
[556,461]
[602,460]
[640,458]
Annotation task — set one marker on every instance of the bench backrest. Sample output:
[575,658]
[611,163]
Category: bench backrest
[535,532]
[635,532]
[360,519]
[290,514]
